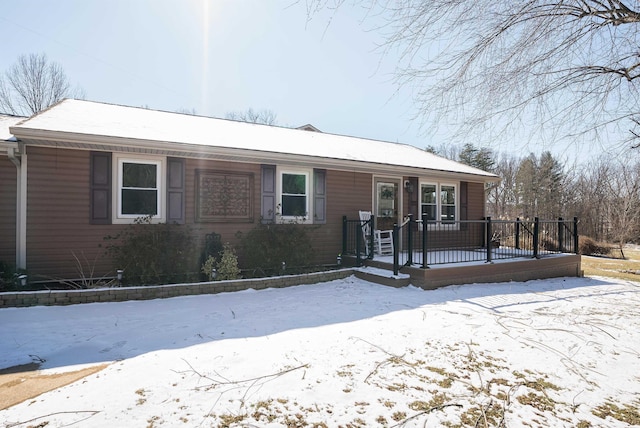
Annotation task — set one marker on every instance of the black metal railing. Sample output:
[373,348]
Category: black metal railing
[354,241]
[423,242]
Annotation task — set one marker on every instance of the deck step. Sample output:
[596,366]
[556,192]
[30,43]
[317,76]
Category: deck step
[382,276]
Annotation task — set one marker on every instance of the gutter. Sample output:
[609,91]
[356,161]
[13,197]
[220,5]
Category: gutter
[11,152]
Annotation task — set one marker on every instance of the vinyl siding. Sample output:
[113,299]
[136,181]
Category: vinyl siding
[58,228]
[8,182]
[58,212]
[476,201]
[347,193]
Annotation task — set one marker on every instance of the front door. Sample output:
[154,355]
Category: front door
[387,200]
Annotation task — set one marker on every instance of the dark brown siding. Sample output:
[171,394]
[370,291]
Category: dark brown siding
[58,228]
[7,211]
[58,211]
[347,193]
[475,201]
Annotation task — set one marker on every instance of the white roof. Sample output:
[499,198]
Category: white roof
[6,121]
[113,121]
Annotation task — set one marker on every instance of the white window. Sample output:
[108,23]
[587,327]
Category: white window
[429,201]
[448,203]
[139,188]
[294,195]
[438,201]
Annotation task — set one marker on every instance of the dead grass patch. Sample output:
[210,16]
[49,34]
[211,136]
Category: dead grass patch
[18,385]
[628,268]
[628,413]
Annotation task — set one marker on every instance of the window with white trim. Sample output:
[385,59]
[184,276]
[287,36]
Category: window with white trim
[294,194]
[428,201]
[447,203]
[139,188]
[439,202]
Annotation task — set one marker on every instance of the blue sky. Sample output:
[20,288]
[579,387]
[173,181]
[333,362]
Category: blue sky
[220,56]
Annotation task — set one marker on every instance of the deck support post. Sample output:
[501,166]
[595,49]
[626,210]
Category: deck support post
[396,251]
[576,249]
[410,240]
[344,234]
[488,239]
[536,236]
[425,259]
[560,235]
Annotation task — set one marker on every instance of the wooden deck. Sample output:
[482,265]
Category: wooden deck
[519,269]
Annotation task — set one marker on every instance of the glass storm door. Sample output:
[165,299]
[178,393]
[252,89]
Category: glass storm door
[387,203]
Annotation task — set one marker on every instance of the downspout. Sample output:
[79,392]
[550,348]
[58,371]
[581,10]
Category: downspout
[19,159]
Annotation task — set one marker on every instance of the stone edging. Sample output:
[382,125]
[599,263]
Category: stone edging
[120,294]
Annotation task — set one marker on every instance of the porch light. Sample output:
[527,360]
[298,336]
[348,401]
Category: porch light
[408,185]
[339,260]
[284,266]
[119,276]
[23,280]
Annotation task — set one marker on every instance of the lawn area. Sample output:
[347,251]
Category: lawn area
[628,268]
[561,352]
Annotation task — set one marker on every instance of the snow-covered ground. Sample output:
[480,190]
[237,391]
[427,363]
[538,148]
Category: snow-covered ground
[562,352]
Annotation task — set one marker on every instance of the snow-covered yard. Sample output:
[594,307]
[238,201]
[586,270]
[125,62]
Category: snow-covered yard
[563,352]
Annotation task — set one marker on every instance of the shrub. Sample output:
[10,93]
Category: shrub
[226,265]
[589,247]
[8,276]
[154,253]
[267,246]
[213,249]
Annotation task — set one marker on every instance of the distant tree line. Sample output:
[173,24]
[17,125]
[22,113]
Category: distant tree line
[604,193]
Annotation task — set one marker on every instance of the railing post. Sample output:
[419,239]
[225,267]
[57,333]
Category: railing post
[517,233]
[359,239]
[344,234]
[560,235]
[425,259]
[488,238]
[576,249]
[536,236]
[410,241]
[371,237]
[396,251]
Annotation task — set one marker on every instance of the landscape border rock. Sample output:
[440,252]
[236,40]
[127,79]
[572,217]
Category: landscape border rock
[120,294]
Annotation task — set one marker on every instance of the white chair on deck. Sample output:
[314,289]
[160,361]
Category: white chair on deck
[382,239]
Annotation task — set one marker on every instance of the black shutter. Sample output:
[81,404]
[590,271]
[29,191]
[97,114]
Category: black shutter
[320,196]
[175,191]
[100,188]
[268,199]
[414,198]
[464,200]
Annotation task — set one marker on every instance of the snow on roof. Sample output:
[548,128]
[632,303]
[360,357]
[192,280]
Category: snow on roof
[7,121]
[108,120]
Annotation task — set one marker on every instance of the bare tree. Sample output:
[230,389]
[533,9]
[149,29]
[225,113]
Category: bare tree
[33,84]
[501,198]
[189,111]
[265,117]
[569,66]
[624,201]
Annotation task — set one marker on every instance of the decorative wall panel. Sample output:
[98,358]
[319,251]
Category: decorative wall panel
[224,196]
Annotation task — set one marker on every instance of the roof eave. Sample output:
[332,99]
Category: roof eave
[61,139]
